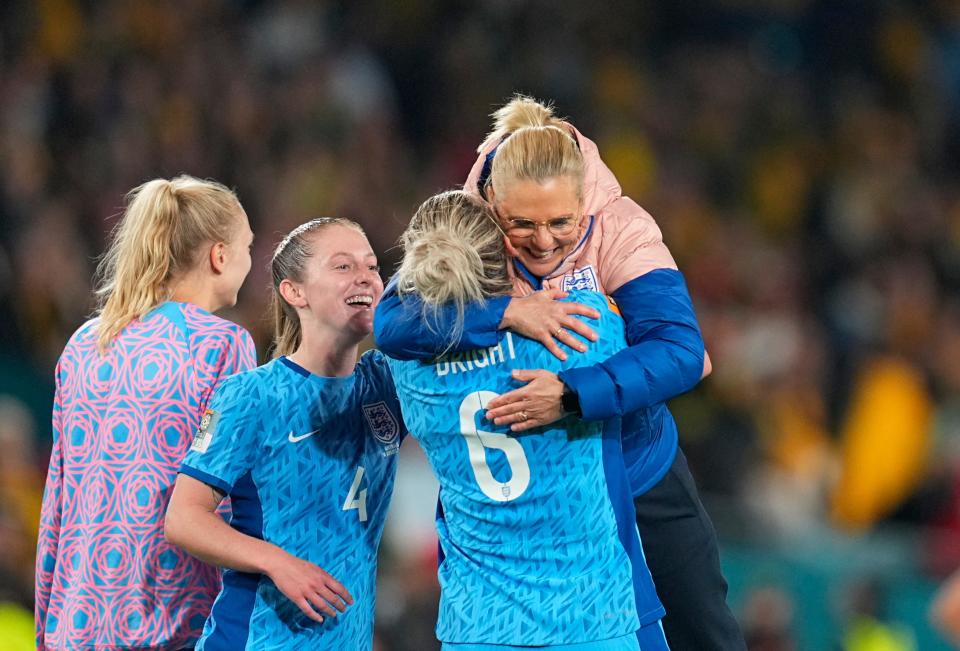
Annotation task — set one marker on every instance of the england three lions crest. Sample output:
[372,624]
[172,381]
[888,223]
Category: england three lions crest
[384,426]
[583,279]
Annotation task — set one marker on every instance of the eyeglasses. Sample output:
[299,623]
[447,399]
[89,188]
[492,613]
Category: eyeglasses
[559,226]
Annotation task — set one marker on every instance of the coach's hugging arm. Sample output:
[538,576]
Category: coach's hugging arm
[665,357]
[193,525]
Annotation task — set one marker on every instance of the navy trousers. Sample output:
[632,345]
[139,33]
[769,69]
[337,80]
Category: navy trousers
[680,544]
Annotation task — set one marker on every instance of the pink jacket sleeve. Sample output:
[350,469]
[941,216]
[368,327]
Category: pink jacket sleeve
[632,245]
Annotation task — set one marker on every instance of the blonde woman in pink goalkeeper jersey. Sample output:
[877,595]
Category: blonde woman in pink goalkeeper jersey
[132,387]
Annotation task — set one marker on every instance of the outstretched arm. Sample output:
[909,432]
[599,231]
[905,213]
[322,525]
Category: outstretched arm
[401,331]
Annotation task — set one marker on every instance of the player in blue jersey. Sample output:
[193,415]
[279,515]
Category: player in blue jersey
[537,533]
[305,446]
[572,227]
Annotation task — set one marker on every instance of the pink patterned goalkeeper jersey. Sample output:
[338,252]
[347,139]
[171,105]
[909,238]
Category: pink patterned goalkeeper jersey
[122,422]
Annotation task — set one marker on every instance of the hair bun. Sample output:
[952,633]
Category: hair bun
[521,111]
[441,267]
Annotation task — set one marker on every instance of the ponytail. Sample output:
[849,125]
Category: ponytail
[520,112]
[162,233]
[286,326]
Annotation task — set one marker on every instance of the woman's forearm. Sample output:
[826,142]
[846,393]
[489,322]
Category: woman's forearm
[204,534]
[401,332]
[193,525]
[208,537]
[665,356]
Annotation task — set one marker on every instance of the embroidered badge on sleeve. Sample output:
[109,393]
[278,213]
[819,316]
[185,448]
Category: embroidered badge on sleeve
[201,440]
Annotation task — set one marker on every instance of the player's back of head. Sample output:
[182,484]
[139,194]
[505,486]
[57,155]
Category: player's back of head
[453,252]
[160,236]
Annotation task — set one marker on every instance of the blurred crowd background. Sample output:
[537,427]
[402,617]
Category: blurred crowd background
[800,156]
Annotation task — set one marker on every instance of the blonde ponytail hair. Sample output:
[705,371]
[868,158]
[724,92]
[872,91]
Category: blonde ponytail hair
[534,145]
[290,262]
[453,252]
[162,234]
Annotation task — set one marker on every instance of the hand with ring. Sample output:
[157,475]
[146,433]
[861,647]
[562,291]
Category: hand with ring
[537,403]
[541,316]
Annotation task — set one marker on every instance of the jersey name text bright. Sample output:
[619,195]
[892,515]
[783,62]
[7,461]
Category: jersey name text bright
[472,359]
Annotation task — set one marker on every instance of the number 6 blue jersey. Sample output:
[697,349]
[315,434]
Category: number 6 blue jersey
[309,463]
[538,536]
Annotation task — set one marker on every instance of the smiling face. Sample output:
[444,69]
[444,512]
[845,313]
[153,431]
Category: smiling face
[341,284]
[554,206]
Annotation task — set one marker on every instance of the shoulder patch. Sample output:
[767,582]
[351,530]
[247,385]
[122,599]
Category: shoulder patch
[583,279]
[384,425]
[201,440]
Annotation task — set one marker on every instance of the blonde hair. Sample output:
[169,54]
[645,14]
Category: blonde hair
[534,145]
[164,227]
[289,262]
[453,252]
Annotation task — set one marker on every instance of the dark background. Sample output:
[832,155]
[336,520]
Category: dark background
[801,158]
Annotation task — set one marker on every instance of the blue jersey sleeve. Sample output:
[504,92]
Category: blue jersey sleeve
[226,441]
[401,332]
[665,356]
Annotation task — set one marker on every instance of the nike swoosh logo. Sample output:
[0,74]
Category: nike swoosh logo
[296,439]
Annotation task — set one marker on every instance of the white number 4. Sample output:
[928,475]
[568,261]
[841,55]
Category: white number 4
[357,500]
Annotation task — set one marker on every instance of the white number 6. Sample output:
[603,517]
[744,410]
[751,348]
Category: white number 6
[477,442]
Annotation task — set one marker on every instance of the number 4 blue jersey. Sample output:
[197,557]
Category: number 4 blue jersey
[309,463]
[538,536]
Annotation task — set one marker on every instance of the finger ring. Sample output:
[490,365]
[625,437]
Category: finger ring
[522,415]
[556,334]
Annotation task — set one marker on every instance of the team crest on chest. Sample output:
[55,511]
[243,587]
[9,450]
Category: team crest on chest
[384,426]
[583,278]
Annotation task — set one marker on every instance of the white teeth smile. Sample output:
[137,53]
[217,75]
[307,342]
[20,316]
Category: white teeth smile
[545,254]
[360,300]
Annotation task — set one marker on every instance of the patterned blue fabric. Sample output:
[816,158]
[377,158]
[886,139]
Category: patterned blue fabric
[530,534]
[309,463]
[622,643]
